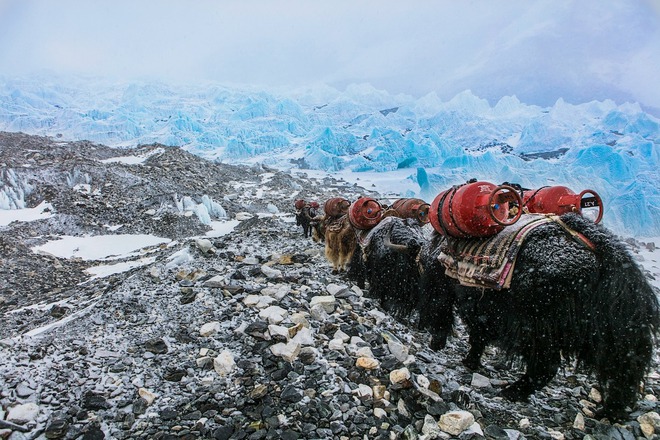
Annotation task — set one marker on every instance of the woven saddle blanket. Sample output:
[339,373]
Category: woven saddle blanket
[488,262]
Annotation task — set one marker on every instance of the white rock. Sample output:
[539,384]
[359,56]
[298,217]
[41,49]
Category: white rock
[341,335]
[379,413]
[363,391]
[203,244]
[398,350]
[400,375]
[216,281]
[251,300]
[334,289]
[479,381]
[578,423]
[278,291]
[336,344]
[364,352]
[475,428]
[524,423]
[357,291]
[270,272]
[209,329]
[328,302]
[355,340]
[318,313]
[273,314]
[377,315]
[556,435]
[24,413]
[201,361]
[272,208]
[300,318]
[289,351]
[251,260]
[147,395]
[595,395]
[430,427]
[304,337]
[649,423]
[224,363]
[278,330]
[455,422]
[240,216]
[422,381]
[403,410]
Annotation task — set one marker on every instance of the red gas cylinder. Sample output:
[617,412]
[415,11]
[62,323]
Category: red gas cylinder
[365,213]
[299,204]
[412,208]
[336,206]
[477,209]
[314,205]
[560,200]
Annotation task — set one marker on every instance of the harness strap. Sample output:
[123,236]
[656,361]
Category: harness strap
[580,238]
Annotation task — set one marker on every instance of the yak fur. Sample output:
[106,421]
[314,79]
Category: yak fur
[566,301]
[306,217]
[340,241]
[392,274]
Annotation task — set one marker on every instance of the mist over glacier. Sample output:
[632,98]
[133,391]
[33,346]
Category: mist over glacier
[610,148]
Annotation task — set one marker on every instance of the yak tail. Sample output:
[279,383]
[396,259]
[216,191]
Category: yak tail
[626,316]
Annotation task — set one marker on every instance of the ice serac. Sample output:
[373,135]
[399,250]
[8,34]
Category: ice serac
[601,145]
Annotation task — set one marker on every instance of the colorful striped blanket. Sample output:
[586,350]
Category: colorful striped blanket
[489,262]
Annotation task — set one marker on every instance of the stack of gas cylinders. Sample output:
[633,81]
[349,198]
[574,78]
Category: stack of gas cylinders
[482,209]
[474,209]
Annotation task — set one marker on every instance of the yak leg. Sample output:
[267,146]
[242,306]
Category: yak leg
[542,366]
[477,346]
[332,255]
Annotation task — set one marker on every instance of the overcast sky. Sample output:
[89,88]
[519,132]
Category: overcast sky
[538,50]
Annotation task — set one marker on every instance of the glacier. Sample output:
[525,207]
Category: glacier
[607,147]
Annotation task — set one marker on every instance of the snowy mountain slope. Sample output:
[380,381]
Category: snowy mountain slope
[612,149]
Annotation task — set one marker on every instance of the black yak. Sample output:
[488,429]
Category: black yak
[386,259]
[306,216]
[591,305]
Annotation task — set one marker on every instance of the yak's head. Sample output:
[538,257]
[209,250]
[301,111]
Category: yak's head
[403,236]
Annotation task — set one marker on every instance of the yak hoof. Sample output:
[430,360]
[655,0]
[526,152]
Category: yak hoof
[515,392]
[438,343]
[471,363]
[614,415]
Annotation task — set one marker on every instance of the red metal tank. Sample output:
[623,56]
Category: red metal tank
[299,204]
[336,206]
[560,200]
[412,208]
[314,205]
[365,213]
[477,209]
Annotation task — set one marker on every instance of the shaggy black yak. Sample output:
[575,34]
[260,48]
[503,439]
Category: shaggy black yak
[594,306]
[386,259]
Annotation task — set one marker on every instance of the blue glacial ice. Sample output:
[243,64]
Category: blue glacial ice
[600,145]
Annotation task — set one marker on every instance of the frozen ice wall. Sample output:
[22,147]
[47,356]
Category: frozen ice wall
[604,146]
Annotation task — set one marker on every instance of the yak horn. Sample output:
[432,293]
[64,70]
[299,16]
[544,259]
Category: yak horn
[395,247]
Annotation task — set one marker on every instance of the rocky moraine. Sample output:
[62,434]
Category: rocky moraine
[243,334]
